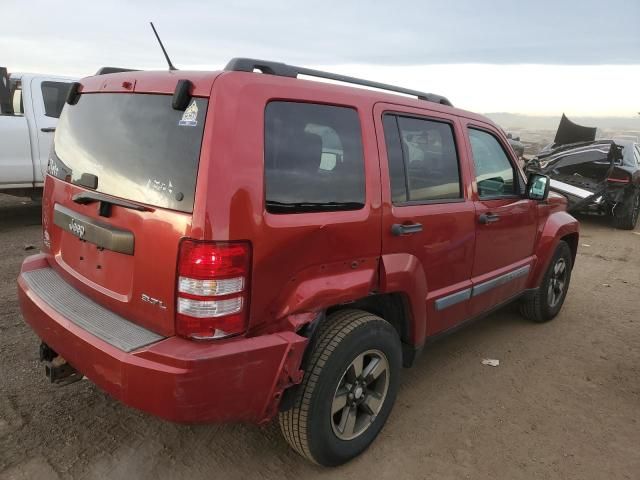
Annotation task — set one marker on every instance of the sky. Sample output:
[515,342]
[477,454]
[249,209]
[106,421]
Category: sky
[532,57]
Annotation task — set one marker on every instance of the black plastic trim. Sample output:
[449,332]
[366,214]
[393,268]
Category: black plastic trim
[108,70]
[74,94]
[413,203]
[465,323]
[284,70]
[182,95]
[503,279]
[89,230]
[453,299]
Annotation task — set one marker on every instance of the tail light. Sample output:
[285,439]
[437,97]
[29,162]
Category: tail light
[213,280]
[619,176]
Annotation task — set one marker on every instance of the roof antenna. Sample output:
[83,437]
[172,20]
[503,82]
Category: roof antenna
[171,67]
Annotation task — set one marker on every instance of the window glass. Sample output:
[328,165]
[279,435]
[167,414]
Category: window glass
[54,95]
[423,163]
[494,172]
[313,158]
[396,162]
[137,146]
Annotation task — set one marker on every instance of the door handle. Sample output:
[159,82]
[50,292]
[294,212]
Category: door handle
[48,129]
[486,218]
[398,229]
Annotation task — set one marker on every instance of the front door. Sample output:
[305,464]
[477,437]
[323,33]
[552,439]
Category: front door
[427,215]
[506,221]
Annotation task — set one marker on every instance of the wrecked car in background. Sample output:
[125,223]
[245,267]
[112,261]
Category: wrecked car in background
[600,176]
[516,144]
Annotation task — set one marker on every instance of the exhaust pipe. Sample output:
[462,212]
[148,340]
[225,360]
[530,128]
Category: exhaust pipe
[56,368]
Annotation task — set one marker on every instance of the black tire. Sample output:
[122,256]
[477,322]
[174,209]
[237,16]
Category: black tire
[309,426]
[545,303]
[625,216]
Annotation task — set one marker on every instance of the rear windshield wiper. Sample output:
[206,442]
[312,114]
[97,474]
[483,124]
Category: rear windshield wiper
[282,207]
[86,198]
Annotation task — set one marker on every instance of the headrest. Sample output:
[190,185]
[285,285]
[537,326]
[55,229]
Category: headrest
[302,152]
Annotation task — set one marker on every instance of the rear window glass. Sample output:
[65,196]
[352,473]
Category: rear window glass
[138,146]
[54,95]
[313,158]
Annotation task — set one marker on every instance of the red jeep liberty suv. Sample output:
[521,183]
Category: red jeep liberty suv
[236,245]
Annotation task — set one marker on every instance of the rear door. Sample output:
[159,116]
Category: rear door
[427,213]
[506,221]
[119,197]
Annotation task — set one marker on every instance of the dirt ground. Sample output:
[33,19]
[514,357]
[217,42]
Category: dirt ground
[564,402]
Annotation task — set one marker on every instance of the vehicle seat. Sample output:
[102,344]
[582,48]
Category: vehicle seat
[294,170]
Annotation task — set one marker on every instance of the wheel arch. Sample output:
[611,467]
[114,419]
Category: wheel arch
[572,240]
[395,309]
[559,226]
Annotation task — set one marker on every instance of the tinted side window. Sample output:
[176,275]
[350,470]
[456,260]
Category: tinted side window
[54,95]
[313,158]
[494,172]
[423,163]
[397,174]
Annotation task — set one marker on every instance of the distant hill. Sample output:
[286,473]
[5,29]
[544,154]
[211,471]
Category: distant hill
[531,122]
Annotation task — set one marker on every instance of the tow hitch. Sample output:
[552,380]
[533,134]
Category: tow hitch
[56,368]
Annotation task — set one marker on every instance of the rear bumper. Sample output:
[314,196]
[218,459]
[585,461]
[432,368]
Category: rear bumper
[180,380]
[578,197]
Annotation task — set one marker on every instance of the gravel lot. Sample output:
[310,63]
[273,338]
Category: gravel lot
[564,402]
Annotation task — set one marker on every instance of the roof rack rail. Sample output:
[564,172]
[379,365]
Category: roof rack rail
[108,70]
[284,70]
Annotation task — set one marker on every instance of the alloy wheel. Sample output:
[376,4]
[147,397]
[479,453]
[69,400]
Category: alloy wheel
[557,282]
[360,394]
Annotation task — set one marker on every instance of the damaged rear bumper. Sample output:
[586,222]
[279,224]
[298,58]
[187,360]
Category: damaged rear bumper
[580,198]
[239,379]
[585,173]
[601,199]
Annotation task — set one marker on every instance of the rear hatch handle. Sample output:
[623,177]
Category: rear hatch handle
[85,198]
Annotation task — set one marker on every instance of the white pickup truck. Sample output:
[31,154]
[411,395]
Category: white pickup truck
[29,109]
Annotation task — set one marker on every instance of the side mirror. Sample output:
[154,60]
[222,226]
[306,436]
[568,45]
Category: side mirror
[538,187]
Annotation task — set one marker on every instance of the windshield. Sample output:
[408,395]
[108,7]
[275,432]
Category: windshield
[137,146]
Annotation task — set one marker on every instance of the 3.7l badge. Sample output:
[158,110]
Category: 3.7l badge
[153,301]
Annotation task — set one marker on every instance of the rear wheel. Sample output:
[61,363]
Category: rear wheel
[546,302]
[625,216]
[349,388]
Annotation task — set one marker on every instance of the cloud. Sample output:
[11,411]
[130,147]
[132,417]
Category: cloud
[578,90]
[477,53]
[79,40]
